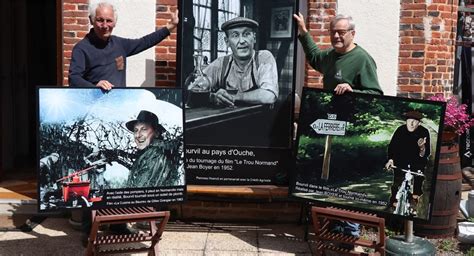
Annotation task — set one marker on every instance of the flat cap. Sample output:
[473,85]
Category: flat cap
[239,22]
[413,115]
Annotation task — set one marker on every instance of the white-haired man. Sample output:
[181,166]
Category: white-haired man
[100,59]
[346,67]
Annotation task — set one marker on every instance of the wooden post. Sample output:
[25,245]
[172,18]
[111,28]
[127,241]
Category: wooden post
[327,158]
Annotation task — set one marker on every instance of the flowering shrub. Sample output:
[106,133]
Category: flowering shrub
[456,118]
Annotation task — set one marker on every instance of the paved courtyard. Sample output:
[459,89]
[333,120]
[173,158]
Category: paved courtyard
[56,236]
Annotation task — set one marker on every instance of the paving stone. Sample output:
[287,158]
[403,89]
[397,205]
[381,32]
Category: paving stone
[283,238]
[233,241]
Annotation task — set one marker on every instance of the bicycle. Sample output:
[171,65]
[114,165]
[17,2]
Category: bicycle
[405,192]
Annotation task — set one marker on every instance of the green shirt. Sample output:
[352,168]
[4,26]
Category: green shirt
[356,67]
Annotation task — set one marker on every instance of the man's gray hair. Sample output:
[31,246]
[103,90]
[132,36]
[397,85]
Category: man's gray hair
[93,8]
[343,17]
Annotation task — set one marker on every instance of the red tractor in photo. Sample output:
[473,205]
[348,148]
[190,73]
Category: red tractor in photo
[76,190]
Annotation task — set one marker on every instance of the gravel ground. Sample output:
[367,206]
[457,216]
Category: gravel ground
[444,246]
[451,246]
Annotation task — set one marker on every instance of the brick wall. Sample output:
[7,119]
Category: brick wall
[165,59]
[427,45]
[319,15]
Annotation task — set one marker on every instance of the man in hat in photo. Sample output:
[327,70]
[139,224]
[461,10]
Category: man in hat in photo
[247,75]
[157,162]
[409,149]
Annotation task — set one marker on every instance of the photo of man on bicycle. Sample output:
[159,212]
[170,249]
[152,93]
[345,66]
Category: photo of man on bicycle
[408,154]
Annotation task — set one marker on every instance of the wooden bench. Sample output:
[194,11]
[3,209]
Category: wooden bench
[321,221]
[126,215]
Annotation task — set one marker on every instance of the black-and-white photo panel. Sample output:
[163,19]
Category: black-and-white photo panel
[109,149]
[236,67]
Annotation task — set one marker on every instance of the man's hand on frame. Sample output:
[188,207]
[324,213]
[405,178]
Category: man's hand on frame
[342,88]
[104,84]
[173,22]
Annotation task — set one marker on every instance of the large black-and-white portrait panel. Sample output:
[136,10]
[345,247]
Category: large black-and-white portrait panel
[114,149]
[238,82]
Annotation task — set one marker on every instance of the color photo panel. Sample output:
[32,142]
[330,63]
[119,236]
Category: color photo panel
[109,149]
[368,152]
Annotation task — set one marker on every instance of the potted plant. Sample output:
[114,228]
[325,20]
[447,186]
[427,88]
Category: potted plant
[456,120]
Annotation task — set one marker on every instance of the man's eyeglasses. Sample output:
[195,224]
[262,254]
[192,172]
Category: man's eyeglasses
[340,32]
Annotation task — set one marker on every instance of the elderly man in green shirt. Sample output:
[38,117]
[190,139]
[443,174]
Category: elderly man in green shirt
[346,67]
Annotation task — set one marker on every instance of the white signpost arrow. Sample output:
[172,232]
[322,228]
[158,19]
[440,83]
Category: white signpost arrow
[329,127]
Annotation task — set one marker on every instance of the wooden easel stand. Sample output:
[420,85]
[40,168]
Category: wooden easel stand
[126,215]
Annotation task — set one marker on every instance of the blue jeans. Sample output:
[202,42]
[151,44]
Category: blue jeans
[346,228]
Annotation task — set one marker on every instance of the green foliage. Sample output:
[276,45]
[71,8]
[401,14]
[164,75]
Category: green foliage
[365,123]
[391,233]
[352,157]
[470,252]
[447,245]
[308,147]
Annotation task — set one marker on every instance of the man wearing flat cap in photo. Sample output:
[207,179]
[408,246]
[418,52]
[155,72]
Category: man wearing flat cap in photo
[156,163]
[409,149]
[247,75]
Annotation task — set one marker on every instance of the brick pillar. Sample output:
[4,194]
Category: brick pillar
[427,45]
[75,27]
[165,52]
[320,13]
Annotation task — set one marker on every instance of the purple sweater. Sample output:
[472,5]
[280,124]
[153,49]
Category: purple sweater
[94,59]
